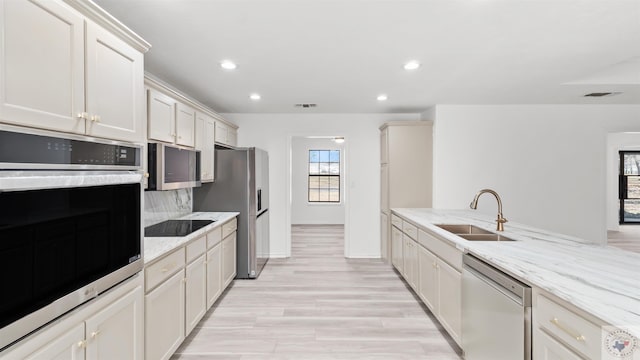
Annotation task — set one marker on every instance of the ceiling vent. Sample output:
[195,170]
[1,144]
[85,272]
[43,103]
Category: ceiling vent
[305,106]
[601,94]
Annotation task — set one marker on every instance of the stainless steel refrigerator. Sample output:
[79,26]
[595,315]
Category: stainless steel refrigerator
[241,184]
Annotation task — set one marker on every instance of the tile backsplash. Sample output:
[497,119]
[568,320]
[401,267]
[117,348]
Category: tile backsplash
[164,205]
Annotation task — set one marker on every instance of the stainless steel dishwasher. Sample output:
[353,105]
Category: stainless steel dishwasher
[496,313]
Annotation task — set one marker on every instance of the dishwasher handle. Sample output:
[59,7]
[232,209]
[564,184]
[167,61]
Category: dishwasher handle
[514,289]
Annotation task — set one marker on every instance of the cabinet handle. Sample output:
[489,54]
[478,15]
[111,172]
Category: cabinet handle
[169,267]
[83,115]
[146,175]
[569,332]
[184,280]
[95,118]
[434,265]
[82,344]
[95,334]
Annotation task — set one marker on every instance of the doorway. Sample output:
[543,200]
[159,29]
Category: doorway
[317,185]
[629,187]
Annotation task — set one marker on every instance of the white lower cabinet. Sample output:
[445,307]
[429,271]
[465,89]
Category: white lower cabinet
[410,261]
[397,246]
[164,318]
[195,293]
[66,347]
[183,284]
[450,299]
[229,259]
[428,287]
[108,327]
[547,348]
[432,268]
[214,274]
[111,333]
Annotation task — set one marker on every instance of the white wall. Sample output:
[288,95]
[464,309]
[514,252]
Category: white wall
[615,143]
[548,162]
[303,212]
[273,132]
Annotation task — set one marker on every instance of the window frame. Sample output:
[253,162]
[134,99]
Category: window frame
[329,176]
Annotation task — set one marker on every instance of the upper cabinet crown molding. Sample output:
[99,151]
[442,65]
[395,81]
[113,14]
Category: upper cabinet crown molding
[152,81]
[94,12]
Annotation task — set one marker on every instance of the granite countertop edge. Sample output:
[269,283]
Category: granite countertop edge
[600,280]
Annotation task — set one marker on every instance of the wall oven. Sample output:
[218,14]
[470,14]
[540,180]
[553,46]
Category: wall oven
[70,223]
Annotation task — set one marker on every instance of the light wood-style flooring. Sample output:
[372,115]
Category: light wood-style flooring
[628,238]
[318,305]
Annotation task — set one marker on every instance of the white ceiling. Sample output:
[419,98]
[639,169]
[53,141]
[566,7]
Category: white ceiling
[341,54]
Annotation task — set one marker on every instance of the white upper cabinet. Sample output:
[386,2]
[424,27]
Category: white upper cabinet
[225,134]
[205,137]
[162,116]
[42,65]
[114,87]
[56,75]
[185,125]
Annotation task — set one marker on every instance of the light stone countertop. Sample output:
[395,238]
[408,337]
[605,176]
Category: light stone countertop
[601,280]
[155,247]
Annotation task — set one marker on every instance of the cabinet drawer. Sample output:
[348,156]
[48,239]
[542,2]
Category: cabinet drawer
[196,248]
[396,221]
[214,237]
[161,270]
[579,333]
[410,230]
[446,252]
[229,227]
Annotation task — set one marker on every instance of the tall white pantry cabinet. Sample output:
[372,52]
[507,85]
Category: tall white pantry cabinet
[406,162]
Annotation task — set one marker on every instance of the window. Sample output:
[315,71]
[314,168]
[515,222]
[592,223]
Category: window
[324,176]
[629,187]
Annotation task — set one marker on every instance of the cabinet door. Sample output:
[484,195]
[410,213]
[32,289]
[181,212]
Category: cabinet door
[68,346]
[42,65]
[547,348]
[406,257]
[384,188]
[185,125]
[221,132]
[195,293]
[396,248]
[450,299]
[428,278]
[384,236]
[232,136]
[116,332]
[384,146]
[205,137]
[413,272]
[164,318]
[229,259]
[214,274]
[162,116]
[114,87]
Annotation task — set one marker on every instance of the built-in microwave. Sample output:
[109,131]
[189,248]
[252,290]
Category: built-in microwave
[173,167]
[70,223]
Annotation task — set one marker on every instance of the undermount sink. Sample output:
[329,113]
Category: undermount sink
[484,237]
[473,233]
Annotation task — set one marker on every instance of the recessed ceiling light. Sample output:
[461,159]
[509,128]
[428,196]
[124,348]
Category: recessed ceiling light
[412,65]
[382,97]
[338,139]
[228,65]
[254,97]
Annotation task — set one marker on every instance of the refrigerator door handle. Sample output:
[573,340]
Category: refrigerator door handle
[259,199]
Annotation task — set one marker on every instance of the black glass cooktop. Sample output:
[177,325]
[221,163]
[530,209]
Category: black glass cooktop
[175,228]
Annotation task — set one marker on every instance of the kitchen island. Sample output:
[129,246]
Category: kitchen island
[598,282]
